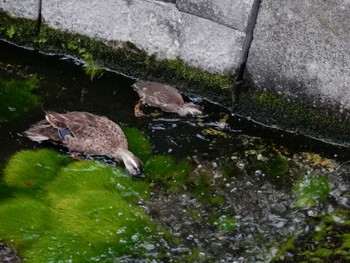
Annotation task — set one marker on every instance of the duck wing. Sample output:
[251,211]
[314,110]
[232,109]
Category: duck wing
[42,131]
[73,123]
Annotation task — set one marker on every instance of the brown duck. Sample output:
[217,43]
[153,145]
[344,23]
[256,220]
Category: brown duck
[87,133]
[163,96]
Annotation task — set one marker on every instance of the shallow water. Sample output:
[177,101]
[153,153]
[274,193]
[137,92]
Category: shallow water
[261,205]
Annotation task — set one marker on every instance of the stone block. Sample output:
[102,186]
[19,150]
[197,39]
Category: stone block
[155,27]
[21,8]
[99,19]
[301,49]
[209,45]
[232,13]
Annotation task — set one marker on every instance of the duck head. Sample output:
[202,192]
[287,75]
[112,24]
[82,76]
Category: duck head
[132,163]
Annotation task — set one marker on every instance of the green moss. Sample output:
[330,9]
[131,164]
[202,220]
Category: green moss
[23,221]
[218,200]
[138,143]
[84,213]
[33,169]
[202,187]
[296,115]
[19,30]
[287,246]
[16,97]
[226,223]
[311,190]
[183,71]
[328,242]
[100,216]
[277,166]
[196,255]
[86,176]
[164,170]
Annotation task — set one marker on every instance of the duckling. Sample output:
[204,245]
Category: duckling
[86,133]
[165,97]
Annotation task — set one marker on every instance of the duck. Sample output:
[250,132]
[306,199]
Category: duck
[163,96]
[87,133]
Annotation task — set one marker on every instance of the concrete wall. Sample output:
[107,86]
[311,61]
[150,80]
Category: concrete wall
[205,34]
[301,49]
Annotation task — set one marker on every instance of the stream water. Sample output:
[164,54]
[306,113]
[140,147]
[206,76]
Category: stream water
[229,149]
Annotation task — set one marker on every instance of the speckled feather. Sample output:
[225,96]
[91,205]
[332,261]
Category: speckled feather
[159,95]
[91,133]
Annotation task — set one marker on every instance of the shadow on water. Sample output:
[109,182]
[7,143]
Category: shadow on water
[214,142]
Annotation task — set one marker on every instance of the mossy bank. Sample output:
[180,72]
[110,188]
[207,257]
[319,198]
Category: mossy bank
[120,56]
[270,108]
[323,122]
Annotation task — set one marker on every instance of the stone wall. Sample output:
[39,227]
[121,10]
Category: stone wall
[205,34]
[301,49]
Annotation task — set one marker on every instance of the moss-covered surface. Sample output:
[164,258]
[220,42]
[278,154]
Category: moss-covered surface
[164,171]
[328,241]
[16,97]
[55,209]
[62,210]
[326,123]
[309,191]
[138,143]
[123,57]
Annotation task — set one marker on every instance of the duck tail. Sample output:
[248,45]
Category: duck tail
[42,131]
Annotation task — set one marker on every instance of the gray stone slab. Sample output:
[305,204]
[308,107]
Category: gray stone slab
[155,27]
[232,13]
[301,49]
[150,25]
[94,18]
[209,45]
[21,8]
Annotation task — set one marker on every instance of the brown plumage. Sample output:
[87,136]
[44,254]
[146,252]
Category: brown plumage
[87,133]
[164,97]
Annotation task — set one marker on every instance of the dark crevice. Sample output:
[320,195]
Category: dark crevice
[39,19]
[245,52]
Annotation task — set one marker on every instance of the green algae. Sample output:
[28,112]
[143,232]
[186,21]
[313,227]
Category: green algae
[329,241]
[138,143]
[165,171]
[202,186]
[100,216]
[311,190]
[85,210]
[16,97]
[33,169]
[81,176]
[24,220]
[225,223]
[323,122]
[277,166]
